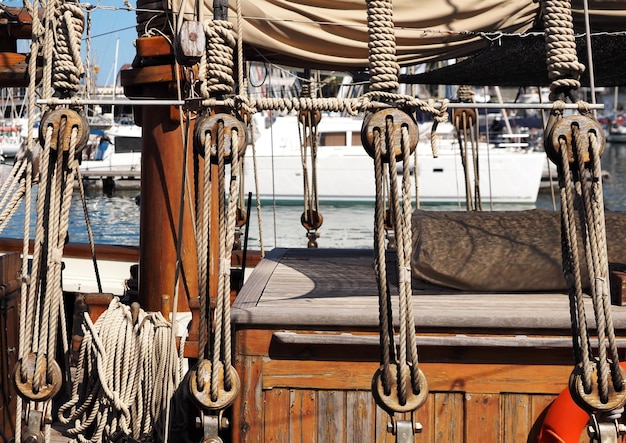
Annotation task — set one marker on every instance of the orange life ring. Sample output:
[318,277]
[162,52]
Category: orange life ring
[565,421]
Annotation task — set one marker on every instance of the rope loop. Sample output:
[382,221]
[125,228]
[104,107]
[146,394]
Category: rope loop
[563,67]
[67,62]
[384,67]
[217,65]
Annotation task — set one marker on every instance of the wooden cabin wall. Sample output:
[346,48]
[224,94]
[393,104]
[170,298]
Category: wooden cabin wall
[10,265]
[307,398]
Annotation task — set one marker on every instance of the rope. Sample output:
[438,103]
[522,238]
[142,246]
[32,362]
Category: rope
[42,313]
[216,65]
[122,376]
[67,63]
[563,67]
[383,63]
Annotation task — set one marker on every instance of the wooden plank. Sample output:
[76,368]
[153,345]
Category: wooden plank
[360,422]
[448,415]
[425,416]
[10,266]
[382,420]
[517,419]
[442,376]
[482,418]
[303,416]
[277,417]
[331,417]
[248,409]
[253,289]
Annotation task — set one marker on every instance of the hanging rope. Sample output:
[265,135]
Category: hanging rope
[221,139]
[576,143]
[63,133]
[398,386]
[122,376]
[308,121]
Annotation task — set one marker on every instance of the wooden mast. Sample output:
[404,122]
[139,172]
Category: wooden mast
[161,180]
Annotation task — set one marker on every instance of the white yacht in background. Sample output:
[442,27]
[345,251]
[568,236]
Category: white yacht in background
[345,171]
[115,152]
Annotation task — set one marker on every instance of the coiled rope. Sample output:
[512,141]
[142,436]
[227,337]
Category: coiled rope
[125,376]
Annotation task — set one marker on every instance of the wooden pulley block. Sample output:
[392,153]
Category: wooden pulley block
[217,126]
[388,124]
[562,131]
[313,116]
[241,217]
[311,220]
[464,117]
[50,375]
[191,43]
[200,386]
[591,401]
[390,402]
[63,121]
[387,221]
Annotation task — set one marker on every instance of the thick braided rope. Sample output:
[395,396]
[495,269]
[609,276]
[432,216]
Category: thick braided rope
[403,297]
[121,376]
[12,206]
[222,273]
[40,331]
[216,64]
[563,67]
[571,269]
[67,63]
[387,347]
[606,302]
[233,198]
[383,63]
[204,221]
[26,313]
[405,267]
[48,47]
[597,263]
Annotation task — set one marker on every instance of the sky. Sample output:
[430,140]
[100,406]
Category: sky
[110,22]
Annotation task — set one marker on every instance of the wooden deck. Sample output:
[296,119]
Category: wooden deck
[306,334]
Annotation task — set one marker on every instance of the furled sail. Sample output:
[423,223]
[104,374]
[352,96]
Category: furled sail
[334,33]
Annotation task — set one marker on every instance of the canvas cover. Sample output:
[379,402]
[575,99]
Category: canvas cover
[335,33]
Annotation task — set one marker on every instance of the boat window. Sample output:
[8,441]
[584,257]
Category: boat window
[333,139]
[127,144]
[356,139]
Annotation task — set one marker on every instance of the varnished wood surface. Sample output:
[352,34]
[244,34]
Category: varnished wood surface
[307,347]
[324,287]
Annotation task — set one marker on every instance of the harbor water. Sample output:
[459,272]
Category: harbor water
[115,218]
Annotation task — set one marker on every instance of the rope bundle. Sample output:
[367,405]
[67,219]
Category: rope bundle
[121,381]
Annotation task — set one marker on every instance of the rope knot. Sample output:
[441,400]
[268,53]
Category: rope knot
[217,65]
